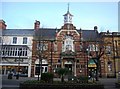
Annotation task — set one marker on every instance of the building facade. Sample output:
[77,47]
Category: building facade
[40,50]
[16,50]
[66,47]
[112,52]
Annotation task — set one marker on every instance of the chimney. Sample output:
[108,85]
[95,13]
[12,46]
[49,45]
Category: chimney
[2,24]
[95,29]
[37,25]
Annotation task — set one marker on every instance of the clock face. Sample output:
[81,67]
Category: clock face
[65,18]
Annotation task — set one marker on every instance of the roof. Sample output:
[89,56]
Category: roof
[18,32]
[47,33]
[89,34]
[67,14]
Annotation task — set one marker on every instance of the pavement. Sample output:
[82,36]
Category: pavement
[109,83]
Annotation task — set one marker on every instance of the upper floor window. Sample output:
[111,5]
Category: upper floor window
[68,44]
[42,46]
[14,40]
[14,51]
[93,47]
[108,50]
[55,46]
[25,40]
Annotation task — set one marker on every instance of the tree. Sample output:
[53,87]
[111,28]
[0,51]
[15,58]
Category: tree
[62,72]
[98,54]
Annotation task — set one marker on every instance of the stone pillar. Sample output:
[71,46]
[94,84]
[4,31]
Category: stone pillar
[32,70]
[75,68]
[5,71]
[29,68]
[62,64]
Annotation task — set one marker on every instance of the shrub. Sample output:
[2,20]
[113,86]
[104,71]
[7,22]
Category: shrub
[72,79]
[47,77]
[62,72]
[83,79]
[60,86]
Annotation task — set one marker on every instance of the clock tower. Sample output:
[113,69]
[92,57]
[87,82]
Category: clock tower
[68,17]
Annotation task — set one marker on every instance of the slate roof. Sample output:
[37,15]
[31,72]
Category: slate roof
[18,32]
[49,33]
[89,34]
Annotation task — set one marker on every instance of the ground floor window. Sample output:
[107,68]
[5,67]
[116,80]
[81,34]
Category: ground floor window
[14,69]
[44,69]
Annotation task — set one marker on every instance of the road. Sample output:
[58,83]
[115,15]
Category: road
[13,83]
[109,83]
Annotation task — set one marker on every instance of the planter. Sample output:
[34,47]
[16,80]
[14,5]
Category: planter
[61,86]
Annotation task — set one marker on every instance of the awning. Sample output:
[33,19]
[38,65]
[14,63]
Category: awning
[91,63]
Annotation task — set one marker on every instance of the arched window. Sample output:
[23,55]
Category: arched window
[68,44]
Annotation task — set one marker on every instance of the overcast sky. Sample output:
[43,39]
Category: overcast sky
[86,15]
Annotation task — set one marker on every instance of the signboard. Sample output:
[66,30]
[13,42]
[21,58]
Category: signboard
[92,65]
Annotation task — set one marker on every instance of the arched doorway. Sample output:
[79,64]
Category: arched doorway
[44,67]
[68,65]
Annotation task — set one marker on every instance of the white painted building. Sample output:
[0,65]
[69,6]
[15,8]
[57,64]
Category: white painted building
[17,51]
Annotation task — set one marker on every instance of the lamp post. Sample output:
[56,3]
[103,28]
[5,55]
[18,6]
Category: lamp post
[51,56]
[88,51]
[51,60]
[19,54]
[40,61]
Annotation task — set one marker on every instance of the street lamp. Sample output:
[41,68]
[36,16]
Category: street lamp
[51,55]
[88,51]
[19,54]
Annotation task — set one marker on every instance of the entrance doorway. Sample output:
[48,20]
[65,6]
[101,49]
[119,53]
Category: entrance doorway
[68,65]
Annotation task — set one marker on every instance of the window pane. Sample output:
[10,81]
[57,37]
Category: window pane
[25,40]
[14,40]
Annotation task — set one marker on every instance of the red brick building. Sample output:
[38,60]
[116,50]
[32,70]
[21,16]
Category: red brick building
[67,47]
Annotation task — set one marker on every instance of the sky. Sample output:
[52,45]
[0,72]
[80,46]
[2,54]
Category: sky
[86,15]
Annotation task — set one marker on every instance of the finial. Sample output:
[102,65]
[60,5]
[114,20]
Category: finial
[68,7]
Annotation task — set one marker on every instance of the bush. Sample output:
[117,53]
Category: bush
[72,79]
[47,77]
[60,86]
[83,79]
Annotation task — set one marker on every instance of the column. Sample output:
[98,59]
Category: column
[29,67]
[75,68]
[5,71]
[62,64]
